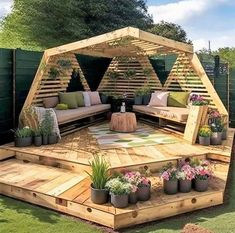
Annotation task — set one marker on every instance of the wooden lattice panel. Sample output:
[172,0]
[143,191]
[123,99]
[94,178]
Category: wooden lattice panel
[183,78]
[51,87]
[138,64]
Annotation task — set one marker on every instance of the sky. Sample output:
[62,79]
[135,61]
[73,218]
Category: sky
[203,20]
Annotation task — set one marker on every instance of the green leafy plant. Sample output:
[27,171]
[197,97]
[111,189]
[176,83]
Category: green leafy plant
[217,127]
[117,186]
[47,124]
[205,131]
[113,75]
[54,73]
[23,133]
[37,132]
[146,90]
[147,72]
[100,171]
[139,92]
[64,64]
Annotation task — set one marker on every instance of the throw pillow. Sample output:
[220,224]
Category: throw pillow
[68,98]
[159,98]
[94,97]
[62,107]
[87,100]
[178,99]
[50,102]
[80,99]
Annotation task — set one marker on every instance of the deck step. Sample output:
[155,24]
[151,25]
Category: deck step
[69,192]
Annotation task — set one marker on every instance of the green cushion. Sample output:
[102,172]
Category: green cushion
[68,98]
[79,98]
[62,107]
[178,99]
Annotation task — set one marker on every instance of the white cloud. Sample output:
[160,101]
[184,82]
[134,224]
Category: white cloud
[181,11]
[5,7]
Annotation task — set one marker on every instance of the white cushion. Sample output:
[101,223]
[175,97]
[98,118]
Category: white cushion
[87,100]
[159,98]
[94,97]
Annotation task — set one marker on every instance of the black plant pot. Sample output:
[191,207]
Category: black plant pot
[185,186]
[99,196]
[133,198]
[45,139]
[104,99]
[144,192]
[146,99]
[22,142]
[201,185]
[119,201]
[170,186]
[52,139]
[138,100]
[38,140]
[116,105]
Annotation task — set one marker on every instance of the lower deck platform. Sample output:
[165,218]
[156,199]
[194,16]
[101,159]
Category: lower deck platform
[54,176]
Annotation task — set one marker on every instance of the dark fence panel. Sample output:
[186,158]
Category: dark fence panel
[232,96]
[6,94]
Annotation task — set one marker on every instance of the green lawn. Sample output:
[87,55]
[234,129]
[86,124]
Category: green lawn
[19,217]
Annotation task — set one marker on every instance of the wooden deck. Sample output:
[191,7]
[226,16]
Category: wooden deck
[53,176]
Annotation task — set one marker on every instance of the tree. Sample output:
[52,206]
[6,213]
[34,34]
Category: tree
[170,30]
[48,23]
[227,54]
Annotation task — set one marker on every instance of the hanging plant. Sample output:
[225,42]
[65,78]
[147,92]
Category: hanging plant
[53,73]
[113,75]
[64,64]
[147,72]
[129,74]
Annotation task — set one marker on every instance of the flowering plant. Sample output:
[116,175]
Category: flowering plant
[186,172]
[198,100]
[169,172]
[217,126]
[205,131]
[203,170]
[117,186]
[214,114]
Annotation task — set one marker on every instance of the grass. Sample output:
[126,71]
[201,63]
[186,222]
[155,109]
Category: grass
[19,217]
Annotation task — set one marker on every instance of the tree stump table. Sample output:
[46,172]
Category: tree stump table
[123,122]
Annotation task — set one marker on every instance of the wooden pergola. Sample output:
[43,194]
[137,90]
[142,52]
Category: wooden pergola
[127,47]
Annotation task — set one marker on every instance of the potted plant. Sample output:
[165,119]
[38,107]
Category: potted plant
[216,136]
[53,73]
[205,135]
[146,94]
[119,191]
[144,189]
[185,175]
[46,127]
[104,96]
[99,176]
[170,181]
[37,136]
[23,137]
[52,138]
[198,100]
[202,173]
[138,96]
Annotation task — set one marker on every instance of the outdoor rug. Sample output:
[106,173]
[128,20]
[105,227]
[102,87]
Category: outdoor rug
[143,136]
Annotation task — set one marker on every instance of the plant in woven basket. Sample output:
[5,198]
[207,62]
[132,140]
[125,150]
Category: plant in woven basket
[99,176]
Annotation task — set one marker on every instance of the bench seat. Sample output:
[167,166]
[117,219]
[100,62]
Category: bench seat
[66,116]
[169,113]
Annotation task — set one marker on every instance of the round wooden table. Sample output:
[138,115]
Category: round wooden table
[123,122]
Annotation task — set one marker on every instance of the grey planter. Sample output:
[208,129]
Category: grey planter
[138,100]
[205,141]
[22,142]
[224,135]
[99,196]
[144,193]
[201,185]
[170,186]
[52,139]
[119,201]
[146,99]
[104,99]
[133,198]
[38,140]
[45,139]
[216,138]
[185,186]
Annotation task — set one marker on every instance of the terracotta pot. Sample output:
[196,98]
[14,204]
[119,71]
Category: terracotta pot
[133,198]
[185,186]
[99,196]
[144,192]
[216,138]
[119,201]
[38,140]
[170,186]
[201,185]
[138,100]
[22,142]
[205,141]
